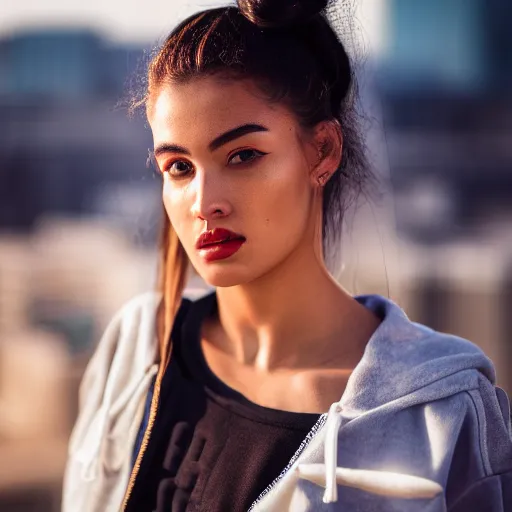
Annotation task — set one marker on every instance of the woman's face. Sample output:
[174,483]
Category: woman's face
[255,181]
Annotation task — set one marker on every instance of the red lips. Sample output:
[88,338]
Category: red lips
[216,236]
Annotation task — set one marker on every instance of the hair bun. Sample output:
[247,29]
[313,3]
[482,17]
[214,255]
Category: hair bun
[280,13]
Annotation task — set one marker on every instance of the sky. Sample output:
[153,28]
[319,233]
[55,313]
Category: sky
[143,20]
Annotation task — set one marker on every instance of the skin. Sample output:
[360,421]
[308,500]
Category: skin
[285,328]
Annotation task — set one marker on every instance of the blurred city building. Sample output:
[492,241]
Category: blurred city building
[445,82]
[66,148]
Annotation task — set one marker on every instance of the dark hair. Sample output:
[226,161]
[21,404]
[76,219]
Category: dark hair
[290,51]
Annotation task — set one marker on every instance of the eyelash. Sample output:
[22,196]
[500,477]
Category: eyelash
[258,154]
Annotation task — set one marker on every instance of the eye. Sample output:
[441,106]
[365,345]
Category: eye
[244,156]
[178,168]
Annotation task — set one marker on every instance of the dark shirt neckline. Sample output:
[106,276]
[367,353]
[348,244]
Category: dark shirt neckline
[227,397]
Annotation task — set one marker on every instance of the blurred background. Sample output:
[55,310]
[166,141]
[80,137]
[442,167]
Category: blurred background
[79,211]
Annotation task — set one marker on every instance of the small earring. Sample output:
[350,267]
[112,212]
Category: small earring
[322,179]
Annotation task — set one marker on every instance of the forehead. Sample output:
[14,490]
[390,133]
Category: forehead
[208,106]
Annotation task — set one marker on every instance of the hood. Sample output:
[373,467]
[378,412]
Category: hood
[404,363]
[403,357]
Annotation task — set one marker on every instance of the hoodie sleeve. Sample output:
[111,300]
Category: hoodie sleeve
[492,492]
[111,398]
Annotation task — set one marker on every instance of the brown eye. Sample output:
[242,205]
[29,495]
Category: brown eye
[244,156]
[178,168]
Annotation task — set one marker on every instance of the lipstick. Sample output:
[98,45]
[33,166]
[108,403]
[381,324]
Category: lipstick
[219,244]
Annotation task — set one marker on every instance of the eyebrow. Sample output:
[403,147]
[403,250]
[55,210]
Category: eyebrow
[216,143]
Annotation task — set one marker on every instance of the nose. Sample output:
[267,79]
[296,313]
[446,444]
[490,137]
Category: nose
[210,201]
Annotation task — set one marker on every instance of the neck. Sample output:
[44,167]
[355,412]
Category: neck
[296,316]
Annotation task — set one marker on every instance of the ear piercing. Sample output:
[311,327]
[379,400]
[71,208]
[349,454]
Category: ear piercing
[322,179]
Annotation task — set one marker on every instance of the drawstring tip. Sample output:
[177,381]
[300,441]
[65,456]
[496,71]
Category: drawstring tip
[330,495]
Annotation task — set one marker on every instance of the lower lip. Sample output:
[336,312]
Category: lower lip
[221,251]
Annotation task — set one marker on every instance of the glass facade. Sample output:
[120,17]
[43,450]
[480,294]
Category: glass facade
[437,43]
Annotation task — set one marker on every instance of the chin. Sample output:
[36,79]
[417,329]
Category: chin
[227,273]
[224,277]
[234,272]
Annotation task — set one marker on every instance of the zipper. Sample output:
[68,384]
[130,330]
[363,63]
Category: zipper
[164,363]
[145,438]
[305,442]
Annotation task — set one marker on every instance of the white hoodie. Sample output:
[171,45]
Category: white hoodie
[111,405]
[420,426]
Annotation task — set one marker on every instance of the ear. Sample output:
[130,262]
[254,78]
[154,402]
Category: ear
[328,142]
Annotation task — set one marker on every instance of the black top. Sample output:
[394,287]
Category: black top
[211,449]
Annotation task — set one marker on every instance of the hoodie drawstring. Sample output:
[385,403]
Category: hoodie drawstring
[331,453]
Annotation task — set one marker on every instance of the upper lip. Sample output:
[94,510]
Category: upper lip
[215,236]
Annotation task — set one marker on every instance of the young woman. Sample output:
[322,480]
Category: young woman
[277,391]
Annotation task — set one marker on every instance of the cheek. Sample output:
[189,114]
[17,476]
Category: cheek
[175,206]
[287,196]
